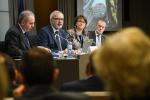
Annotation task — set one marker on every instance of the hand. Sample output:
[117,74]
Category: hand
[19,90]
[65,51]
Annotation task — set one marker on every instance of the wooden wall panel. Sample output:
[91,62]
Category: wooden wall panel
[42,10]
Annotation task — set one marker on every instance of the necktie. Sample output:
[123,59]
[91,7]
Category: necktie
[98,36]
[58,42]
[98,41]
[81,40]
[26,39]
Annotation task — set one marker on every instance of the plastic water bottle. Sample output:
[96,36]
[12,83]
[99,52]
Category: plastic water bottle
[69,47]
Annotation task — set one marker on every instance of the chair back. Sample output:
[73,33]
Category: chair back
[2,46]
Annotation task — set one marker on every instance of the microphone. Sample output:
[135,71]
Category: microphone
[62,37]
[69,45]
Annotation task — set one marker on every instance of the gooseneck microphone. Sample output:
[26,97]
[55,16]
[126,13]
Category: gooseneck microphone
[62,38]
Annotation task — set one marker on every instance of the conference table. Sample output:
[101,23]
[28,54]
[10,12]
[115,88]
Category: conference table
[70,68]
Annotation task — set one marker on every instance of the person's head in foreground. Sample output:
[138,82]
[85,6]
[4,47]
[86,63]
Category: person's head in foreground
[3,78]
[9,65]
[38,67]
[123,62]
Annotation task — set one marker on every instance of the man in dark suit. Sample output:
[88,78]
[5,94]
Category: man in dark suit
[92,83]
[53,36]
[39,72]
[16,39]
[98,35]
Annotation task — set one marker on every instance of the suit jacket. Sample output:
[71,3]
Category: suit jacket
[15,42]
[74,38]
[92,35]
[91,84]
[46,38]
[44,92]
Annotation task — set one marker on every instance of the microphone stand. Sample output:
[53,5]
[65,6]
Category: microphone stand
[62,38]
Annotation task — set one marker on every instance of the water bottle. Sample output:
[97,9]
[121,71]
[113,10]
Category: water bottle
[69,48]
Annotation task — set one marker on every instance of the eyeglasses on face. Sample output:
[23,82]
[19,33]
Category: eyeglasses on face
[80,21]
[59,19]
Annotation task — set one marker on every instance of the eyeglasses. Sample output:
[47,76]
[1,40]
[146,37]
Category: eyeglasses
[59,19]
[80,21]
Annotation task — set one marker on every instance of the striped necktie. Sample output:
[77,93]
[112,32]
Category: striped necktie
[58,41]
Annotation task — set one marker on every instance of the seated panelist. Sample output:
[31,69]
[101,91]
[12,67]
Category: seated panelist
[98,35]
[16,38]
[78,33]
[52,36]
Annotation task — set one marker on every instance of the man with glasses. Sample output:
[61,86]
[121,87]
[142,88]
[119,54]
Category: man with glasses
[53,36]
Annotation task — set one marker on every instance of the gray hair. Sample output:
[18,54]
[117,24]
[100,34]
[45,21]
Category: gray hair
[54,14]
[25,15]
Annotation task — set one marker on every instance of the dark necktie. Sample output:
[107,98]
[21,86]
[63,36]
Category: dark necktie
[26,39]
[58,41]
[98,37]
[81,39]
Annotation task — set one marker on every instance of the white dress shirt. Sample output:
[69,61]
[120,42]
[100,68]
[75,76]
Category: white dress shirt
[98,39]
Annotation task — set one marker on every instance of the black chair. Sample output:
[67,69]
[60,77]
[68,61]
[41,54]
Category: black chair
[2,46]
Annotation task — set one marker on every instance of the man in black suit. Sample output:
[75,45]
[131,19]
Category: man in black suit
[16,39]
[98,35]
[92,83]
[53,36]
[39,72]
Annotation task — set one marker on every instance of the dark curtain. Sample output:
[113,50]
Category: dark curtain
[13,11]
[16,6]
[68,8]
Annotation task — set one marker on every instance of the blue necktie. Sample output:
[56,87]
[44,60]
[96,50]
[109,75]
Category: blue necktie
[81,40]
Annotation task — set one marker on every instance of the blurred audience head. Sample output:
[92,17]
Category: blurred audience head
[57,19]
[3,77]
[38,67]
[10,65]
[123,62]
[26,20]
[90,68]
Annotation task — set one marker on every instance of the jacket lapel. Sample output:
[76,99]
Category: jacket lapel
[102,39]
[23,38]
[53,35]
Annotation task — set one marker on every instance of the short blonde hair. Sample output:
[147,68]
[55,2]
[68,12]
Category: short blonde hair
[123,62]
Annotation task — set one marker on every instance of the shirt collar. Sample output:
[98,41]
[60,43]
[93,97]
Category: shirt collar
[54,29]
[97,34]
[21,28]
